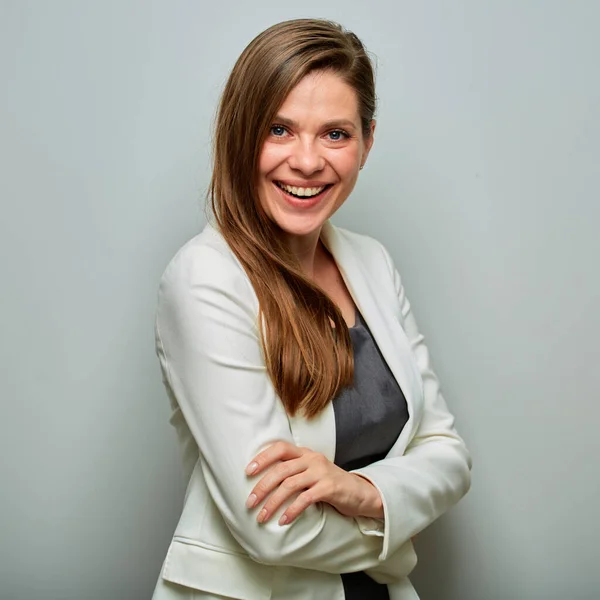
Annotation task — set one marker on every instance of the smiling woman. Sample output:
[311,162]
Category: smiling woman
[316,439]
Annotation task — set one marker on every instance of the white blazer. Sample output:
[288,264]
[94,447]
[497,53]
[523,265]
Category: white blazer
[225,411]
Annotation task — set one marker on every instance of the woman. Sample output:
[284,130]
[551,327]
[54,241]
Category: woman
[315,436]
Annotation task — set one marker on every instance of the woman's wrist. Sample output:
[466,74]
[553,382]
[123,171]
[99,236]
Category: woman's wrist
[372,504]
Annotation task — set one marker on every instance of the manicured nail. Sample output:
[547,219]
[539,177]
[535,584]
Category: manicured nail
[251,468]
[283,520]
[262,515]
[251,501]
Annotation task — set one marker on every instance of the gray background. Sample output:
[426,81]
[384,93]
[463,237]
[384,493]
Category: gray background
[483,183]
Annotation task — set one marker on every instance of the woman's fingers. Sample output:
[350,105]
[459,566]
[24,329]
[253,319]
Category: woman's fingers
[273,479]
[278,451]
[302,502]
[292,471]
[288,488]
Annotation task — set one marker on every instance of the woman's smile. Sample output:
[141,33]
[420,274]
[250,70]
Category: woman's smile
[302,190]
[303,197]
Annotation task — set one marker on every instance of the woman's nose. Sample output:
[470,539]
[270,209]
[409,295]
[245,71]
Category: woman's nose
[306,157]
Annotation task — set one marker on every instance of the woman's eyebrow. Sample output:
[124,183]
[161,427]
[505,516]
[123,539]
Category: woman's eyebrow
[339,123]
[328,124]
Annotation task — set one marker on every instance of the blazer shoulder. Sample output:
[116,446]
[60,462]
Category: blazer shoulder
[205,260]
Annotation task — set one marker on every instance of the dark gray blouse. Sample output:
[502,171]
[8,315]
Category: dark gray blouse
[369,417]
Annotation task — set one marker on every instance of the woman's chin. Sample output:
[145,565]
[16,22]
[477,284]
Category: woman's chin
[301,228]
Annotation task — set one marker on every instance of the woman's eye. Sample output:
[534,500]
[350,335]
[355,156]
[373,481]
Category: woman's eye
[337,134]
[278,130]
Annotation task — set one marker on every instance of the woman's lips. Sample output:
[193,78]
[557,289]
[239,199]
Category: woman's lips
[303,202]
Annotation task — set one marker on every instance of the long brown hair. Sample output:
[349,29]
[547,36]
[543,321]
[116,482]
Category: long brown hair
[308,361]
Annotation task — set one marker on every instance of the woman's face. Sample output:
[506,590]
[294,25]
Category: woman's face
[311,158]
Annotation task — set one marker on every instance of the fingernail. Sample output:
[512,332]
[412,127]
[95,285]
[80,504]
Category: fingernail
[283,520]
[251,501]
[262,515]
[251,468]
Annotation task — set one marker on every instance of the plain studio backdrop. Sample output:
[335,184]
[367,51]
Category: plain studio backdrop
[483,183]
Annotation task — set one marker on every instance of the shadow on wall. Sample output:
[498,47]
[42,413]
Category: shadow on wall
[438,569]
[445,572]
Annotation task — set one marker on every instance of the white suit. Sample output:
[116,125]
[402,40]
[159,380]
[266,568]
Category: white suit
[226,410]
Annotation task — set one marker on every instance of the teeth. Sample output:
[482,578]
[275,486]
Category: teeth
[301,191]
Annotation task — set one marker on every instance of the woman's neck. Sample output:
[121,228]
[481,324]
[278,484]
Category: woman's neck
[308,250]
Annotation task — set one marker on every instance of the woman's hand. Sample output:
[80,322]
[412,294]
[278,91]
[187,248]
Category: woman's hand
[315,478]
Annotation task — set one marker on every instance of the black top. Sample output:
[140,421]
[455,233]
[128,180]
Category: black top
[369,417]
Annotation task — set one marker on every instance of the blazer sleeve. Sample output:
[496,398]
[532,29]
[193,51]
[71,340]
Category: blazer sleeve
[209,348]
[434,472]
